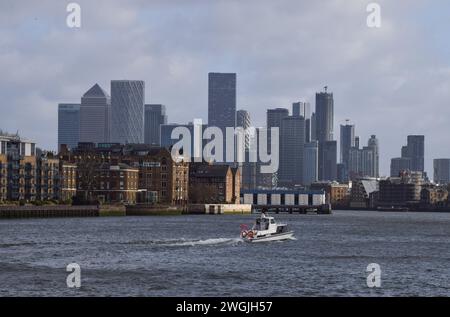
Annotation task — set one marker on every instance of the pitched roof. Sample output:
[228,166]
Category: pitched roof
[211,171]
[96,91]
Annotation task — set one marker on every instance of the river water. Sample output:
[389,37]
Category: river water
[203,256]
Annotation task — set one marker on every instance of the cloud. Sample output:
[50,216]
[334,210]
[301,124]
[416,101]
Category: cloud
[390,81]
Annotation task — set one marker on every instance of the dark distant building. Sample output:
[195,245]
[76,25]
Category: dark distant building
[401,191]
[329,161]
[222,100]
[310,163]
[154,117]
[324,116]
[274,119]
[324,120]
[413,156]
[292,140]
[441,168]
[400,164]
[68,125]
[416,151]
[347,142]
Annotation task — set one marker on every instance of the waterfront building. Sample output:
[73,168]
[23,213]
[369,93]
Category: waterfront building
[127,108]
[95,116]
[17,168]
[154,117]
[362,193]
[68,125]
[160,178]
[214,184]
[337,194]
[401,191]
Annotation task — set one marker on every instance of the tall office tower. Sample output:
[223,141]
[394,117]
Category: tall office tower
[400,164]
[310,163]
[324,133]
[324,116]
[154,117]
[247,168]
[68,125]
[243,121]
[127,107]
[364,162]
[374,145]
[329,160]
[274,119]
[307,130]
[292,139]
[95,116]
[416,151]
[347,142]
[250,169]
[301,109]
[222,100]
[313,136]
[441,169]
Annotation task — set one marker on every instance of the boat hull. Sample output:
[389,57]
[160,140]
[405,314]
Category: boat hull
[273,237]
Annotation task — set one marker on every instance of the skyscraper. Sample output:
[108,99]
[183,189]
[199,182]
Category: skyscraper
[363,162]
[243,121]
[68,125]
[324,116]
[95,116]
[310,163]
[154,117]
[329,161]
[127,105]
[441,169]
[274,119]
[347,142]
[374,145]
[292,140]
[400,164]
[222,100]
[301,109]
[416,151]
[324,120]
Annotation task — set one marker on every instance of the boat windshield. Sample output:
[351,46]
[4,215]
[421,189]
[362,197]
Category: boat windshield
[261,224]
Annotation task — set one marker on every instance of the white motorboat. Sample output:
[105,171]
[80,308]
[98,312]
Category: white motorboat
[266,229]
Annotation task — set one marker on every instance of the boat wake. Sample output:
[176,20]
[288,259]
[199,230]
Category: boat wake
[213,241]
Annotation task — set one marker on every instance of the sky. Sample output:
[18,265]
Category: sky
[390,81]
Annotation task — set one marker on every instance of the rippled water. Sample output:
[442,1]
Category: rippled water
[202,256]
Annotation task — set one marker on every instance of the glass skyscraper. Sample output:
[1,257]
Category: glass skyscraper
[155,116]
[68,125]
[222,100]
[127,107]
